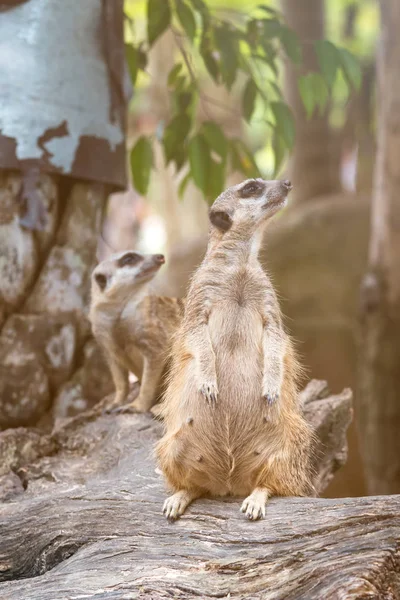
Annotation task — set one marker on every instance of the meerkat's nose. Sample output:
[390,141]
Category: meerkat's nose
[159,258]
[287,184]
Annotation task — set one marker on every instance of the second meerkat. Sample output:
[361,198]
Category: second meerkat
[231,411]
[133,326]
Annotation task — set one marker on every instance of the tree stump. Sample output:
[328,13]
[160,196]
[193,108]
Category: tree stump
[82,519]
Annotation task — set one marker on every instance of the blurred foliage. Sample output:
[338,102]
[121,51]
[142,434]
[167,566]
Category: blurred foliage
[233,48]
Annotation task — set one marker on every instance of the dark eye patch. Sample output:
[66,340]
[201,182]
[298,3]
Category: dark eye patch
[130,259]
[252,188]
[101,280]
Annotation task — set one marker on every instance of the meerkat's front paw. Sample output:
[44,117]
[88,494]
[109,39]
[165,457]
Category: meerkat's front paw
[175,505]
[270,394]
[210,391]
[254,505]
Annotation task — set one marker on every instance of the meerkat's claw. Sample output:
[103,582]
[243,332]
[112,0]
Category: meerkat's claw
[175,505]
[125,409]
[254,505]
[210,392]
[107,410]
[271,398]
[253,509]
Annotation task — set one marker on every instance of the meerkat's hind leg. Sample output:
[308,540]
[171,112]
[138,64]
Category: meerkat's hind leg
[152,372]
[120,377]
[254,505]
[175,505]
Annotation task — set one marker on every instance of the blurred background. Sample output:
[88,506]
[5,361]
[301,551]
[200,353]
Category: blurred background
[213,92]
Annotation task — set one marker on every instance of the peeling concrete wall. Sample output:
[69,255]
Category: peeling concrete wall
[63,92]
[62,150]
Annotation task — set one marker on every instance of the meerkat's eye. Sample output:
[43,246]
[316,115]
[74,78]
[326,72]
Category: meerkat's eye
[101,280]
[130,259]
[251,189]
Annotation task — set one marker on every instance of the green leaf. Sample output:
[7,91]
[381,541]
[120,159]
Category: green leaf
[200,161]
[253,32]
[183,185]
[228,47]
[174,138]
[284,122]
[132,60]
[291,44]
[216,180]
[267,9]
[307,93]
[183,101]
[270,55]
[180,83]
[276,89]
[141,58]
[351,68]
[173,74]
[328,60]
[186,19]
[141,160]
[279,149]
[249,99]
[215,138]
[314,92]
[211,65]
[200,6]
[272,28]
[321,91]
[242,159]
[158,19]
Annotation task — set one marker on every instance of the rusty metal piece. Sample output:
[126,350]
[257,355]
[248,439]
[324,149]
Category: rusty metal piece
[63,93]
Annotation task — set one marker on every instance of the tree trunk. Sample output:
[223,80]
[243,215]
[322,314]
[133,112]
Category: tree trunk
[82,519]
[314,164]
[379,375]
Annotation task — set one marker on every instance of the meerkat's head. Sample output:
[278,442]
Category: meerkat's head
[248,205]
[123,275]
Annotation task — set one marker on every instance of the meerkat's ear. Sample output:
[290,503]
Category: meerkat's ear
[220,219]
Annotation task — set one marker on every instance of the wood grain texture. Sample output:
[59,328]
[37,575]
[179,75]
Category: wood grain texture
[89,525]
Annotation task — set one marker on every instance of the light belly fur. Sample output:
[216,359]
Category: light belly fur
[235,422]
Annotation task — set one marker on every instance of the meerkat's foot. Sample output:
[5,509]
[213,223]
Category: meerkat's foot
[132,408]
[175,505]
[254,505]
[210,391]
[110,407]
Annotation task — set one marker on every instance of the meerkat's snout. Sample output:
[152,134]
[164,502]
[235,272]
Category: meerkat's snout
[150,266]
[276,193]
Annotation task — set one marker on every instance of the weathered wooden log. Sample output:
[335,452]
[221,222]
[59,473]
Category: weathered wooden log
[85,522]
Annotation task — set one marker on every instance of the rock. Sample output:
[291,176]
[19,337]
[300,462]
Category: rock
[40,339]
[88,385]
[24,394]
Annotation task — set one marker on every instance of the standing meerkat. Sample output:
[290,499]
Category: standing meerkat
[231,410]
[133,327]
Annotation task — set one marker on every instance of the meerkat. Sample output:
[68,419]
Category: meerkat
[133,327]
[233,424]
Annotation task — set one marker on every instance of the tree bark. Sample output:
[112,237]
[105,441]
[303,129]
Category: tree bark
[83,518]
[314,163]
[379,376]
